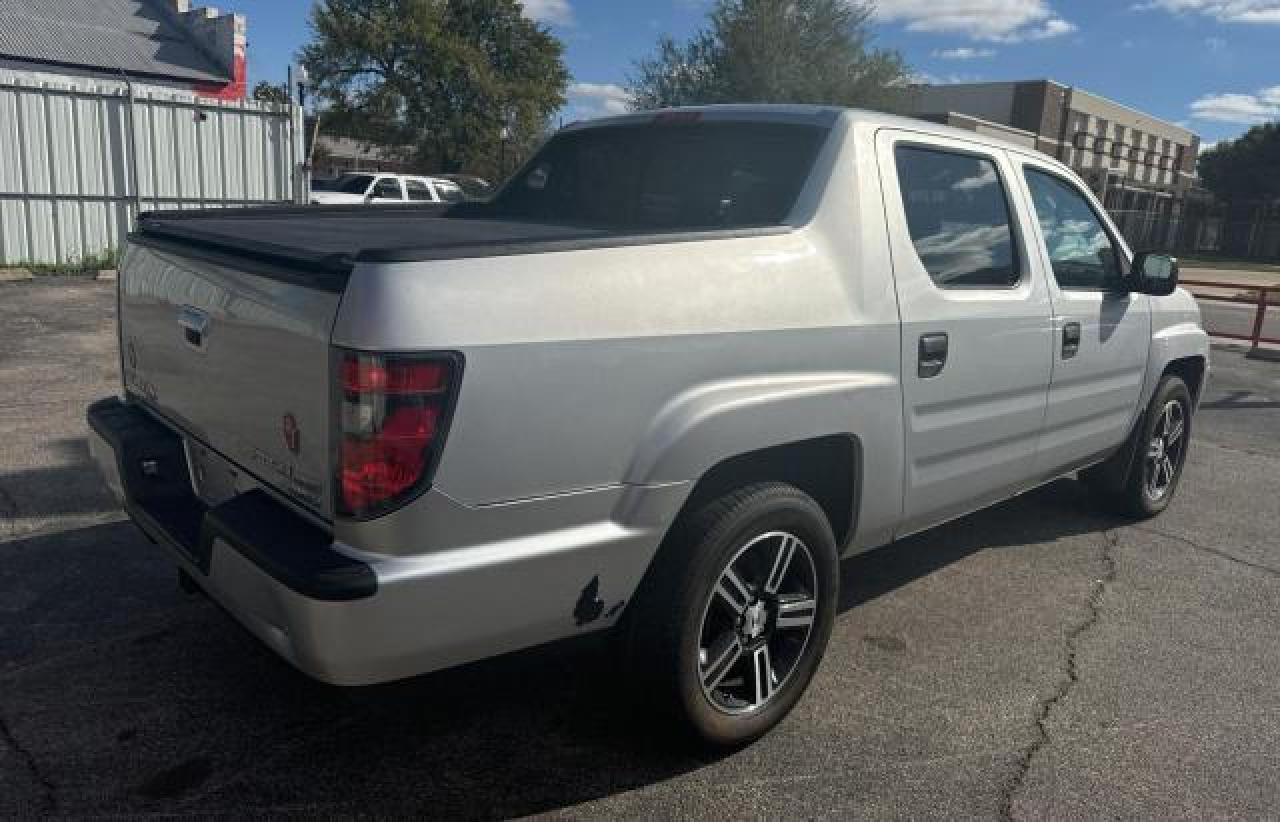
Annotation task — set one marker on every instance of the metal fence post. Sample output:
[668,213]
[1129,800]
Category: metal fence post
[1258,320]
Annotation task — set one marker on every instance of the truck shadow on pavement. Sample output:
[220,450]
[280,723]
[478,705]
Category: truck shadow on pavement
[132,697]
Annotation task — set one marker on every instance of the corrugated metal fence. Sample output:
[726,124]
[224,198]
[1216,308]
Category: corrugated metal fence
[79,157]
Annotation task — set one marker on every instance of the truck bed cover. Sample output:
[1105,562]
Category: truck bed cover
[334,237]
[329,240]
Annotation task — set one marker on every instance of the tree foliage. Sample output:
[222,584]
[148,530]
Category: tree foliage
[1246,170]
[265,92]
[443,78]
[775,51]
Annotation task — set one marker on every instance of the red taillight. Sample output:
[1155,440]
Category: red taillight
[371,374]
[391,413]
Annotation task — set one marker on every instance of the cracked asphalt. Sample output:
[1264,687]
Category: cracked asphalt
[1035,660]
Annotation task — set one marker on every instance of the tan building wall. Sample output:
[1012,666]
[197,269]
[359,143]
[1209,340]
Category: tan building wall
[1112,146]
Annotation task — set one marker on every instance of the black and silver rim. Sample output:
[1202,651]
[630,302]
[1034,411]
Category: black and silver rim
[1165,450]
[756,623]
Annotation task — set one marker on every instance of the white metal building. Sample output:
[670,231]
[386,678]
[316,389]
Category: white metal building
[111,107]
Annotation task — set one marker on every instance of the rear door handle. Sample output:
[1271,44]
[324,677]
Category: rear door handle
[1070,340]
[933,354]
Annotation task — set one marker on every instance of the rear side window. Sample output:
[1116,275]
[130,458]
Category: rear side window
[418,191]
[958,217]
[1080,249]
[678,176]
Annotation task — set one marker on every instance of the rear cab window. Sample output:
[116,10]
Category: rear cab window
[653,177]
[958,215]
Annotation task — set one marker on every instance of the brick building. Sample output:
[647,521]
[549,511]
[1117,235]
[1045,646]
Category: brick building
[1140,166]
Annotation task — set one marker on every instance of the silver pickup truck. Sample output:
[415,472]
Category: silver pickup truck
[682,364]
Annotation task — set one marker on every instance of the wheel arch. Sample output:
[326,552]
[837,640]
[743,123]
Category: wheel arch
[1191,369]
[827,468]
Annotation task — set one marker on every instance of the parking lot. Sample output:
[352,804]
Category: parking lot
[1034,660]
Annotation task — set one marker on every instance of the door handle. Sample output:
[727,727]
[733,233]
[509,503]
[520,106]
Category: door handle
[194,324]
[1070,340]
[933,354]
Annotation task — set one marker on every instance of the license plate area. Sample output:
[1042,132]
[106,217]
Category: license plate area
[214,479]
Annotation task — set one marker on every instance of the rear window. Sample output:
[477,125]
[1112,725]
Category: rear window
[682,176]
[353,183]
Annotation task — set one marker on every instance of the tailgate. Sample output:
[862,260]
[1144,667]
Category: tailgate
[237,358]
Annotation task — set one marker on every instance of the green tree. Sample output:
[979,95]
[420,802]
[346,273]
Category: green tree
[775,51]
[1246,170]
[446,78]
[265,92]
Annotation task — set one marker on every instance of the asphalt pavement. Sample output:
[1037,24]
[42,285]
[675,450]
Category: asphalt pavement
[1236,318]
[1035,660]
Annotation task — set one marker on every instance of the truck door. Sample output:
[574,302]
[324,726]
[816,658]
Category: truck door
[1102,333]
[976,324]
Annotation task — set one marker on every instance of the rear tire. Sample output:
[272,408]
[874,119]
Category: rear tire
[1145,483]
[733,618]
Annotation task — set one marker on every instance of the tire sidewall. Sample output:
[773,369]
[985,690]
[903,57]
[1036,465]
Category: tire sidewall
[1170,389]
[793,512]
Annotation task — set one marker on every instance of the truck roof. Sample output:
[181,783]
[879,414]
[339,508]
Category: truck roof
[794,113]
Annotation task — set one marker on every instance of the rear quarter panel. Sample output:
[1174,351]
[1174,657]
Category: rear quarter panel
[647,365]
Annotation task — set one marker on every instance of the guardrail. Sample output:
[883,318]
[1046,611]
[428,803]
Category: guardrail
[1261,302]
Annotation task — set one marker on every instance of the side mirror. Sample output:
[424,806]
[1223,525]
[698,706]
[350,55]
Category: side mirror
[1154,273]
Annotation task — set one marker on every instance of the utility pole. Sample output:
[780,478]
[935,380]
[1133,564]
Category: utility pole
[301,176]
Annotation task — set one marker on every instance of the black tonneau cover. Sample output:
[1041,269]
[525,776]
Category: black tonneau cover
[328,240]
[333,238]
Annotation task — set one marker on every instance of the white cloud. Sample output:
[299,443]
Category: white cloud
[924,78]
[591,100]
[1008,21]
[964,53]
[554,12]
[1224,11]
[1245,109]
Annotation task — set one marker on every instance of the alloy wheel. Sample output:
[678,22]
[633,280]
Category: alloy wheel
[1165,450]
[757,622]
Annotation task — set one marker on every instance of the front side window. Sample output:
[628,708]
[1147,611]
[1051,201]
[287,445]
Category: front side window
[418,191]
[958,217]
[1080,249]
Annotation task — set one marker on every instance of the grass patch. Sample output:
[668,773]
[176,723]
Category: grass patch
[80,267]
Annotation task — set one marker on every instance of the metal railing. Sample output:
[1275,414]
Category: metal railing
[1261,301]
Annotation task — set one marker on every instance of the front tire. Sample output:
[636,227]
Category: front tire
[1156,458]
[735,614]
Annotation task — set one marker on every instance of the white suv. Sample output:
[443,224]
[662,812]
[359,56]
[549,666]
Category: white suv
[386,189]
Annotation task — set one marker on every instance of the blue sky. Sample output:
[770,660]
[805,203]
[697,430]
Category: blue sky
[1212,65]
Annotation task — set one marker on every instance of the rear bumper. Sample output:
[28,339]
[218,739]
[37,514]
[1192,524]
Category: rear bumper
[348,617]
